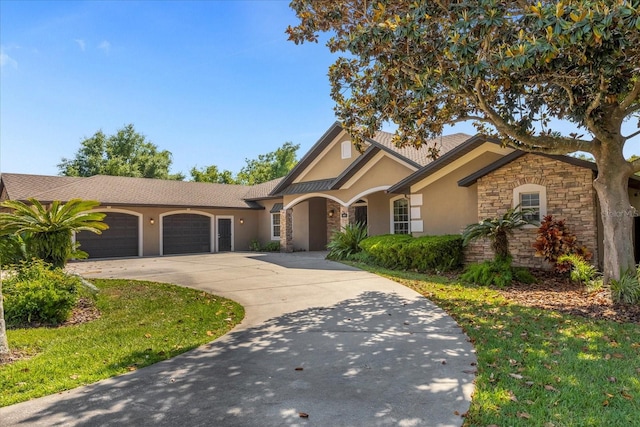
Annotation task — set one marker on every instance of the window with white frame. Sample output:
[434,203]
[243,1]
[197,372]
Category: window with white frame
[530,204]
[275,226]
[532,198]
[400,219]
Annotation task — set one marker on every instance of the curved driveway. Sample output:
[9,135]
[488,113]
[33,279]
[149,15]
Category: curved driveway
[372,353]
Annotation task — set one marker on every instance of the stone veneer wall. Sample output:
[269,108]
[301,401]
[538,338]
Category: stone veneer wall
[570,196]
[333,223]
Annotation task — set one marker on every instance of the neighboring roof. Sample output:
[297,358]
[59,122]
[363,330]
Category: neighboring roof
[455,153]
[416,157]
[119,190]
[261,191]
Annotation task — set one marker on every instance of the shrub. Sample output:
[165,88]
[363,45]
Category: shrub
[523,275]
[497,272]
[13,249]
[401,251]
[255,246]
[555,240]
[346,242]
[627,288]
[39,293]
[581,270]
[498,230]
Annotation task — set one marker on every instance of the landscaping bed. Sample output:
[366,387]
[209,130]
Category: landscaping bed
[561,294]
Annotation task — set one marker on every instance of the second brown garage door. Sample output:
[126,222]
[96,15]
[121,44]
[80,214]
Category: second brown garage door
[186,234]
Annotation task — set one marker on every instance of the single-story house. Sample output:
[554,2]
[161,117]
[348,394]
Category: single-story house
[390,189]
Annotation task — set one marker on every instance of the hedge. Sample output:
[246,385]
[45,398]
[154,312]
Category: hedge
[404,252]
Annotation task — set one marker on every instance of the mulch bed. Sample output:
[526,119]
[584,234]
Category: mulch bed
[561,294]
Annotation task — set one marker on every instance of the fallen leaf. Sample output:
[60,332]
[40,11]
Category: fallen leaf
[299,368]
[147,335]
[626,395]
[209,333]
[512,397]
[618,355]
[612,379]
[548,424]
[523,415]
[516,376]
[529,383]
[131,368]
[456,413]
[74,376]
[303,415]
[444,362]
[550,388]
[605,403]
[607,356]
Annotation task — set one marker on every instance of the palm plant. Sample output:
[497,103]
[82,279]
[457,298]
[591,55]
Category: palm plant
[498,230]
[48,231]
[346,242]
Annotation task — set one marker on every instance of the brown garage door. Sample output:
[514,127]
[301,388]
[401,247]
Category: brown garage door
[120,240]
[186,234]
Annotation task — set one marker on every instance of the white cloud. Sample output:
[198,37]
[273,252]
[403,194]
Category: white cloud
[105,45]
[6,59]
[81,44]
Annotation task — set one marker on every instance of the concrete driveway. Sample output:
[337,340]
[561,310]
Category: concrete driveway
[372,353]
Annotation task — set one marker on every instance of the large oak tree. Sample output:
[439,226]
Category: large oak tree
[510,66]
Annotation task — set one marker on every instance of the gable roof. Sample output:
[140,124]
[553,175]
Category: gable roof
[455,153]
[120,190]
[261,191]
[382,141]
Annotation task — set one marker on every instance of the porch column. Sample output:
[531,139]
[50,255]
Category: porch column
[334,212]
[286,230]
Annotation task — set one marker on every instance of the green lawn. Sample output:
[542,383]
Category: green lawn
[538,367]
[142,323]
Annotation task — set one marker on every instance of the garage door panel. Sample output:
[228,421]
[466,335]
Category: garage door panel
[186,234]
[119,240]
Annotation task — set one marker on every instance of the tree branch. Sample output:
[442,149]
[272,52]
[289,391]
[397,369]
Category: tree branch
[632,135]
[631,96]
[541,144]
[589,122]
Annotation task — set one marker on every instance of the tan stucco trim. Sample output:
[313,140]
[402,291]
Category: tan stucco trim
[371,164]
[487,147]
[304,197]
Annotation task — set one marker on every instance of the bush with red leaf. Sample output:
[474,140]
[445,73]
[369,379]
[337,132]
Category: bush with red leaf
[554,240]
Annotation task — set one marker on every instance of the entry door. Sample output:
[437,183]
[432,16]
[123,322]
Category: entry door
[224,234]
[361,215]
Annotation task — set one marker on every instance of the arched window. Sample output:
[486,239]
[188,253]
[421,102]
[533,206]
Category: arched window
[532,197]
[400,218]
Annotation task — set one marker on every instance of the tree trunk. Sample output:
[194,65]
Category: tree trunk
[612,186]
[4,344]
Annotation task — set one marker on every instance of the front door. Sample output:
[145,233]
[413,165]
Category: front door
[361,215]
[224,234]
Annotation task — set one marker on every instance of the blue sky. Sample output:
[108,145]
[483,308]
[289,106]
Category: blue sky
[213,82]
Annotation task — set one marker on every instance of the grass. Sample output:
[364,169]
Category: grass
[538,367]
[142,323]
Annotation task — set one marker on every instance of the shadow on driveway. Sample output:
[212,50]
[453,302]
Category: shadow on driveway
[378,359]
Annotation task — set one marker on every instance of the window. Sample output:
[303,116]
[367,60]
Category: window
[530,202]
[400,220]
[346,149]
[275,226]
[532,197]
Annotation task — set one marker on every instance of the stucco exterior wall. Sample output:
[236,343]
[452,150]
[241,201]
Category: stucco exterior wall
[570,196]
[331,164]
[301,226]
[446,207]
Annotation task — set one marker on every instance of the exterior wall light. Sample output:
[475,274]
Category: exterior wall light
[331,213]
[241,220]
[152,221]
